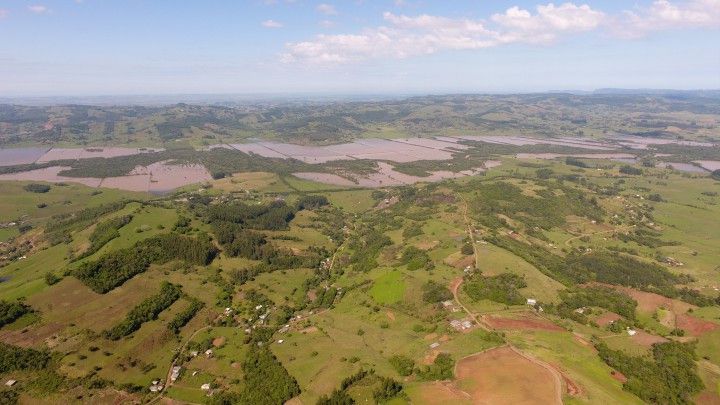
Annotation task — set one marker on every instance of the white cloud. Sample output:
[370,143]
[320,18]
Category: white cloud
[38,9]
[327,9]
[403,36]
[663,15]
[407,36]
[327,23]
[271,24]
[520,25]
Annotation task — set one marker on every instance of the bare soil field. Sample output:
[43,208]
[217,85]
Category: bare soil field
[650,302]
[646,339]
[694,326]
[607,318]
[526,321]
[502,376]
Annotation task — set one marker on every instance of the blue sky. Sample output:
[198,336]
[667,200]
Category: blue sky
[104,47]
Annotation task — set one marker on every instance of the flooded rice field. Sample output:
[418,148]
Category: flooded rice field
[386,176]
[88,153]
[622,157]
[20,156]
[682,167]
[51,175]
[395,150]
[163,176]
[638,142]
[158,177]
[710,165]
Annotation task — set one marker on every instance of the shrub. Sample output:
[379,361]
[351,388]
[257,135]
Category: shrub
[37,188]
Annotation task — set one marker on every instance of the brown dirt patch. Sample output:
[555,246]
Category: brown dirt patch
[708,397]
[390,315]
[430,357]
[581,340]
[427,244]
[219,341]
[524,322]
[571,388]
[646,339]
[503,376]
[464,262]
[441,393]
[607,318]
[431,336]
[618,376]
[694,326]
[309,329]
[650,302]
[294,401]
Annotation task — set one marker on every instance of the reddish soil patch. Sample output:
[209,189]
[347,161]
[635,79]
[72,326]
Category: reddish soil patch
[427,244]
[581,340]
[502,375]
[441,393]
[645,339]
[607,318]
[430,357]
[708,398]
[618,376]
[694,326]
[650,302]
[219,341]
[571,388]
[390,315]
[525,322]
[464,262]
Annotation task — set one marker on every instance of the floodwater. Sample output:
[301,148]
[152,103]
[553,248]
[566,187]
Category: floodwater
[683,167]
[50,174]
[395,150]
[522,141]
[638,142]
[387,176]
[160,177]
[622,157]
[20,156]
[88,153]
[710,165]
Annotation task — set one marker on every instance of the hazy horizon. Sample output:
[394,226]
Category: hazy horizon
[88,48]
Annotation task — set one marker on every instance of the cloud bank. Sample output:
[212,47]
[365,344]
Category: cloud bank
[405,36]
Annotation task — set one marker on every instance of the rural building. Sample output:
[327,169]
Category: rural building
[532,301]
[175,373]
[10,383]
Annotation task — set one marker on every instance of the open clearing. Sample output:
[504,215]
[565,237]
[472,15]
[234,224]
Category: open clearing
[495,376]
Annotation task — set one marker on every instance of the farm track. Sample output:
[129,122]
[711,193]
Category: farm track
[567,242]
[456,284]
[169,383]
